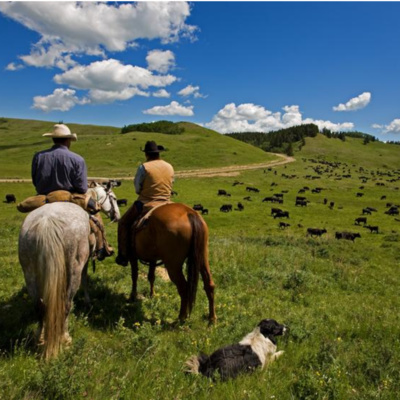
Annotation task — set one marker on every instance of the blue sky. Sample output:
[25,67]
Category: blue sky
[230,66]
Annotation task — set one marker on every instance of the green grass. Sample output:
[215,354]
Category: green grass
[339,299]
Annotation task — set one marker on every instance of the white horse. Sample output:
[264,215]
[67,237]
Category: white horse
[54,251]
[55,245]
[106,198]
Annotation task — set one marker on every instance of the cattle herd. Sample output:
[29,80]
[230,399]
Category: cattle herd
[321,168]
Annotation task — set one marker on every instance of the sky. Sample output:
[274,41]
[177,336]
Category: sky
[228,66]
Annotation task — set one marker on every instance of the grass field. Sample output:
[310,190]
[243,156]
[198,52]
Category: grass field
[339,298]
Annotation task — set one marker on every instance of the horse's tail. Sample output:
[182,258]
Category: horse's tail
[197,256]
[52,282]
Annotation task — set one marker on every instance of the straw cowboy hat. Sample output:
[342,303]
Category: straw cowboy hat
[152,147]
[61,131]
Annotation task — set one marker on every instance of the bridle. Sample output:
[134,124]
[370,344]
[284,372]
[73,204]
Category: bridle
[103,200]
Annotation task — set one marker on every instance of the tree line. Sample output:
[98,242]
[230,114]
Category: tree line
[283,140]
[167,127]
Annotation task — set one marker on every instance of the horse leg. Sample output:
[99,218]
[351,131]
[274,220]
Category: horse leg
[176,275]
[134,275]
[209,288]
[151,276]
[85,280]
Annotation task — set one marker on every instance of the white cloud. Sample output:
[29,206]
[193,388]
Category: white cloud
[61,100]
[111,75]
[161,93]
[254,118]
[14,67]
[191,91]
[356,103]
[377,126]
[171,109]
[108,96]
[95,27]
[393,127]
[160,61]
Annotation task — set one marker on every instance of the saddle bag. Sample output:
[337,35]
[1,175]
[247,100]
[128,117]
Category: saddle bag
[82,200]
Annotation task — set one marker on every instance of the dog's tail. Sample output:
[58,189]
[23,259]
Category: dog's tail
[194,364]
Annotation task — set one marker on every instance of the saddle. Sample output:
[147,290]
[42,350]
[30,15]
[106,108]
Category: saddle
[83,200]
[143,218]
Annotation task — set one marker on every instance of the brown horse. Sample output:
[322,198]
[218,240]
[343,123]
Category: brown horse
[174,233]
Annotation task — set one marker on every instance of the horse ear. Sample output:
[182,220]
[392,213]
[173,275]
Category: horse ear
[109,186]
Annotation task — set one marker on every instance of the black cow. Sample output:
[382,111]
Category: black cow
[392,211]
[226,208]
[358,221]
[360,194]
[248,198]
[221,192]
[122,202]
[315,232]
[300,198]
[173,193]
[282,214]
[366,211]
[204,211]
[302,203]
[252,189]
[10,198]
[372,228]
[283,225]
[331,204]
[275,210]
[270,199]
[240,207]
[347,235]
[198,207]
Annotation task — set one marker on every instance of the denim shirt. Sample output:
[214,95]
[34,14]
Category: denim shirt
[59,168]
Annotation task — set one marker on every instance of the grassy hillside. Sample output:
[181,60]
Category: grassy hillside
[352,151]
[109,153]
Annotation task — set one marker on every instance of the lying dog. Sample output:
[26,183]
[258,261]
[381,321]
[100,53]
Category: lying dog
[256,349]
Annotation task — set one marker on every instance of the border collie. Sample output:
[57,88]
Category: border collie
[256,349]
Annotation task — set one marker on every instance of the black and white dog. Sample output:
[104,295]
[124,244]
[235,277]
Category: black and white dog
[256,349]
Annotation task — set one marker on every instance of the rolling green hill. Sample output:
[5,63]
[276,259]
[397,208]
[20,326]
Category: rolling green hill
[109,153]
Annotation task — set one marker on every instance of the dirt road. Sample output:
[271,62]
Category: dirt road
[232,170]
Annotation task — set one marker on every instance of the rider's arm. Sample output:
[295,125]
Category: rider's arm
[139,178]
[34,170]
[80,177]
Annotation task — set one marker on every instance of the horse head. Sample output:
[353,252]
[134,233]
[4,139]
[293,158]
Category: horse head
[107,200]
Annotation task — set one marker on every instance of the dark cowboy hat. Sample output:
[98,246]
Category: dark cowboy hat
[152,147]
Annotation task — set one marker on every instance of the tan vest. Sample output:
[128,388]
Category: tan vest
[157,184]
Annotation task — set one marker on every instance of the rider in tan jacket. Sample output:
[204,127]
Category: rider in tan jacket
[153,183]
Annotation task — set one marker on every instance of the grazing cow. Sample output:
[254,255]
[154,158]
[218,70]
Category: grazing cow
[283,225]
[226,208]
[358,221]
[122,202]
[347,235]
[372,209]
[300,198]
[302,203]
[392,211]
[252,189]
[248,198]
[366,211]
[240,207]
[10,198]
[315,191]
[360,194]
[331,204]
[372,228]
[325,201]
[282,214]
[275,210]
[315,232]
[279,195]
[383,197]
[269,199]
[198,207]
[221,192]
[173,193]
[204,211]
[301,191]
